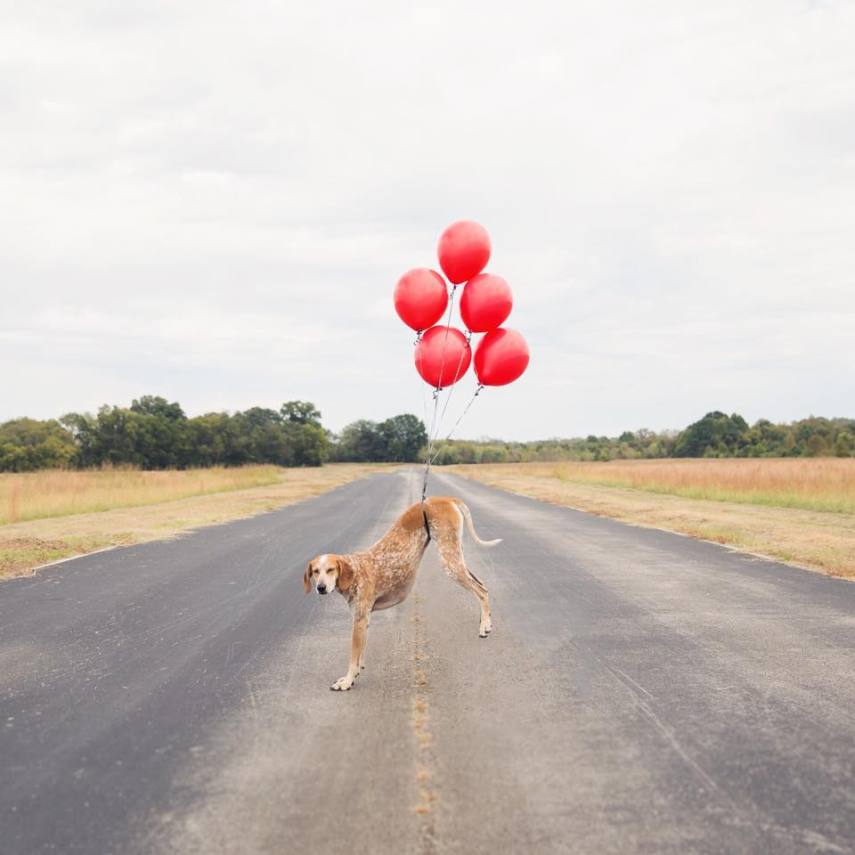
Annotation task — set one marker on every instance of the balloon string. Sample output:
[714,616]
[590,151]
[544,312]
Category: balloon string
[430,445]
[445,339]
[478,389]
[468,337]
[434,425]
[418,368]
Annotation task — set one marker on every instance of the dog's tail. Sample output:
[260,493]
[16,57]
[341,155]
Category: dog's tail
[469,524]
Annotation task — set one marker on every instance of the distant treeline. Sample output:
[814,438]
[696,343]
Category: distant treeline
[715,435]
[155,434]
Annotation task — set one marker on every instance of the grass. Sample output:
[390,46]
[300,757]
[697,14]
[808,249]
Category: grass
[55,493]
[816,484]
[799,511]
[61,514]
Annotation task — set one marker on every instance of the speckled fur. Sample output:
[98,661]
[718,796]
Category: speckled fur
[383,575]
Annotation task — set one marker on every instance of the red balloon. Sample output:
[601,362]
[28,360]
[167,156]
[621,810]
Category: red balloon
[501,357]
[464,250]
[420,298]
[486,302]
[442,356]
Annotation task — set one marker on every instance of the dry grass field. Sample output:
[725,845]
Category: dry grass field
[798,510]
[46,516]
[54,493]
[815,484]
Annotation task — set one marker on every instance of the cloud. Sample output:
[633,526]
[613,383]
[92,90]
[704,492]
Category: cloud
[213,202]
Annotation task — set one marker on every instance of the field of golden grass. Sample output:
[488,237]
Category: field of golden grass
[801,511]
[55,493]
[60,514]
[815,484]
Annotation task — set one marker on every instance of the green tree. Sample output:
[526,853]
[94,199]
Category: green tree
[27,444]
[82,428]
[844,445]
[815,446]
[493,454]
[154,405]
[301,412]
[161,433]
[115,436]
[361,442]
[264,439]
[403,437]
[309,442]
[208,440]
[715,435]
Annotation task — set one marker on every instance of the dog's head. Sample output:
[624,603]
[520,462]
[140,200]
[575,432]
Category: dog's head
[328,572]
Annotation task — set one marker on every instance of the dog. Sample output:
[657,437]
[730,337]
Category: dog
[383,575]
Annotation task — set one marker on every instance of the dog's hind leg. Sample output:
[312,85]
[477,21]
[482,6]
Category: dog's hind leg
[451,555]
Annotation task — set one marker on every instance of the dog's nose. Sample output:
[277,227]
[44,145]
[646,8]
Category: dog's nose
[322,589]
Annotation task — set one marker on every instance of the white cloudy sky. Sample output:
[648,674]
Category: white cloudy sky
[213,201]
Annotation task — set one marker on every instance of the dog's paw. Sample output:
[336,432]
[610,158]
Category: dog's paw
[485,629]
[342,684]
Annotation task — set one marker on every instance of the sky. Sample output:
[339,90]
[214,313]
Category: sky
[213,202]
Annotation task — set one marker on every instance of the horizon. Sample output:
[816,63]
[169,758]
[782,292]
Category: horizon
[481,438]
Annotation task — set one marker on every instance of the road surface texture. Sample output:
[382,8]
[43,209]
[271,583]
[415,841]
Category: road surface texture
[641,692]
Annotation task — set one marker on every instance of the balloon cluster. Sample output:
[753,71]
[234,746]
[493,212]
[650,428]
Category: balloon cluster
[443,353]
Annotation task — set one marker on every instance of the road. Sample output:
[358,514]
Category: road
[641,692]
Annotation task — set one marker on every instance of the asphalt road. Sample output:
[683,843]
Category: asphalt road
[641,692]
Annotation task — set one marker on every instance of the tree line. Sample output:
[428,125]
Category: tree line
[154,433]
[715,435]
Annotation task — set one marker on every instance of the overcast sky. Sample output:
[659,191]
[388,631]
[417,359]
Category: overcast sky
[213,202]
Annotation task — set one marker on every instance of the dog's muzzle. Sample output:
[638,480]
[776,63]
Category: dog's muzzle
[321,590]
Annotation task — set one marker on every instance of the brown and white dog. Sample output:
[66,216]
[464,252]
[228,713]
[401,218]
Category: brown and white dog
[383,575]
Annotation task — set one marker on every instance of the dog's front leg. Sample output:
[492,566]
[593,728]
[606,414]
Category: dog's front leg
[361,663]
[357,646]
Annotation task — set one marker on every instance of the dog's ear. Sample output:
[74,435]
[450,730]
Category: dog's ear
[345,575]
[307,576]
